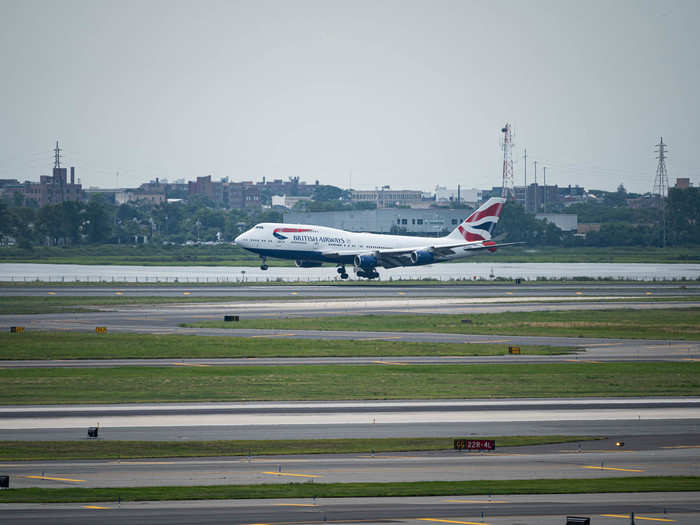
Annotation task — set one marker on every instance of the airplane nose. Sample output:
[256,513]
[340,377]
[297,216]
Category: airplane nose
[238,239]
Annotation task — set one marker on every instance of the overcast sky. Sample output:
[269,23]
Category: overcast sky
[406,93]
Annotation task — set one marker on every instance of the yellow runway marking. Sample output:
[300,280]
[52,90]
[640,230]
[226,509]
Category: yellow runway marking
[142,463]
[293,475]
[615,468]
[272,335]
[509,293]
[54,479]
[453,521]
[190,364]
[390,363]
[474,501]
[95,507]
[649,293]
[51,293]
[635,517]
[690,359]
[676,347]
[579,293]
[292,293]
[186,293]
[295,505]
[402,293]
[117,293]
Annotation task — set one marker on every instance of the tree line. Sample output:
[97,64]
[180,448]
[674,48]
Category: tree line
[198,220]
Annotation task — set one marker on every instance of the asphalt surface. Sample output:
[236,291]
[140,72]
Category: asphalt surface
[545,509]
[480,290]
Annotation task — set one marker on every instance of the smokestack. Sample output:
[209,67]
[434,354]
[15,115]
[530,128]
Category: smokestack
[72,174]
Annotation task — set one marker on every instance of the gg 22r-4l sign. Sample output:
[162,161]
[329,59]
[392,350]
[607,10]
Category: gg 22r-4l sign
[475,444]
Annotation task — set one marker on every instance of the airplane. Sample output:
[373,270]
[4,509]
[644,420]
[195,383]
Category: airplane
[311,246]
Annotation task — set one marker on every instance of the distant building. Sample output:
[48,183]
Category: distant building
[682,184]
[287,201]
[241,195]
[567,222]
[387,198]
[429,222]
[446,195]
[51,189]
[205,187]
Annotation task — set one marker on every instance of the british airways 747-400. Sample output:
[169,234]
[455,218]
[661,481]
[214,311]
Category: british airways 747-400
[311,246]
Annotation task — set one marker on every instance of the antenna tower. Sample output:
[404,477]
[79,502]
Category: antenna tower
[507,189]
[660,191]
[57,156]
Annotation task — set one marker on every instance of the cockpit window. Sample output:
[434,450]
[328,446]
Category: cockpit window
[258,227]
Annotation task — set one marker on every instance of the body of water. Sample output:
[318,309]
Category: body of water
[214,274]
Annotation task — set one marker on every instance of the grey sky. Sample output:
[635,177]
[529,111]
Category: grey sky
[406,93]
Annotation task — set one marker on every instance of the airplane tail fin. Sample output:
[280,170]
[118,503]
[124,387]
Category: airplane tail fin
[479,225]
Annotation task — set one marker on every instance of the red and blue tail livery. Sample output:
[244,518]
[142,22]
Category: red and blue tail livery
[315,245]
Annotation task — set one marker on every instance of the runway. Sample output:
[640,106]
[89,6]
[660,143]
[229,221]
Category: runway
[359,291]
[677,457]
[544,509]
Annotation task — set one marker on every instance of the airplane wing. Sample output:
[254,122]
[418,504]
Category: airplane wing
[395,257]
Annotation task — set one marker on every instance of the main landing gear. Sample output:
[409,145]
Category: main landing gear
[342,272]
[370,273]
[263,264]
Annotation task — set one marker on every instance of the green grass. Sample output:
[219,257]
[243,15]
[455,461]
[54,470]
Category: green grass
[74,345]
[345,382]
[65,450]
[356,490]
[672,323]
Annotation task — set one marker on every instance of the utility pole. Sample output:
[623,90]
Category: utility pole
[544,190]
[525,156]
[660,190]
[536,187]
[508,181]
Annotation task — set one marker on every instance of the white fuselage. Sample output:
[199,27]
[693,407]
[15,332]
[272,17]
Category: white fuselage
[305,242]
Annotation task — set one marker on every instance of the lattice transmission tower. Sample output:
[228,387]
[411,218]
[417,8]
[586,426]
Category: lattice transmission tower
[660,191]
[508,185]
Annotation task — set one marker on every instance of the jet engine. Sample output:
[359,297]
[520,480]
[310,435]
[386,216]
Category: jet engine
[422,257]
[365,261]
[307,264]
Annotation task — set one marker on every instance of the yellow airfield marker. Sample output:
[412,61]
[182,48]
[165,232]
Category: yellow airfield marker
[509,293]
[54,479]
[292,293]
[649,293]
[186,293]
[402,293]
[293,475]
[474,501]
[615,468]
[635,517]
[95,507]
[271,335]
[52,293]
[453,521]
[579,293]
[117,293]
[390,363]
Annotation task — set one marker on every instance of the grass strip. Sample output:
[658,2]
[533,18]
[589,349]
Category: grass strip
[355,490]
[64,450]
[75,345]
[345,382]
[672,323]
